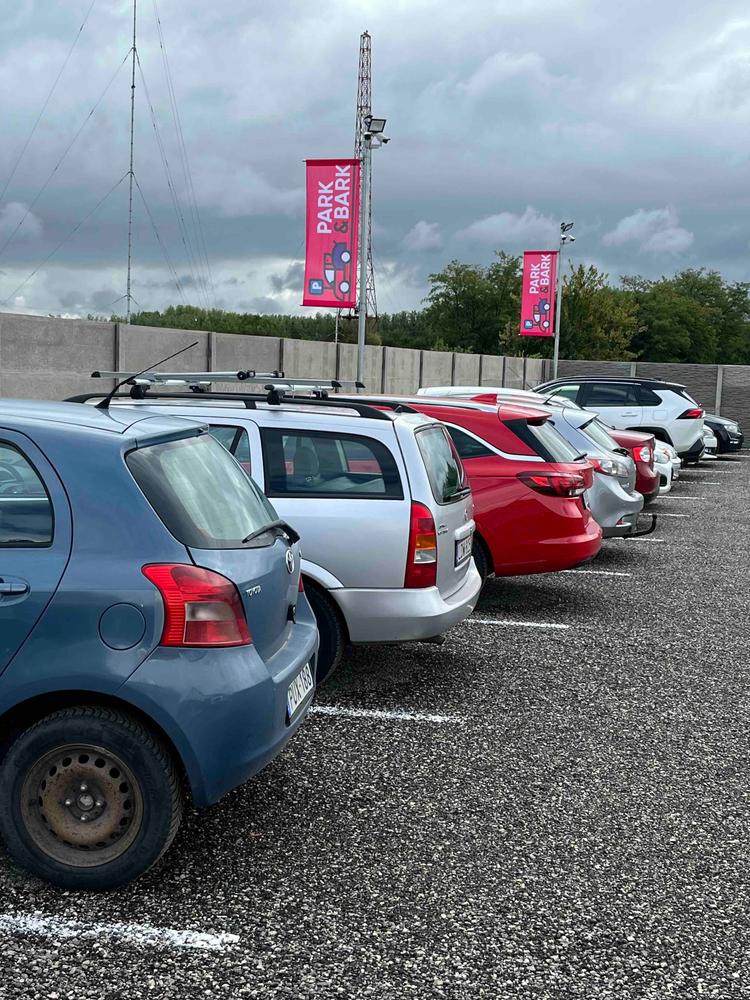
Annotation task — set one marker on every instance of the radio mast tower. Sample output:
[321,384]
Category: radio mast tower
[364,111]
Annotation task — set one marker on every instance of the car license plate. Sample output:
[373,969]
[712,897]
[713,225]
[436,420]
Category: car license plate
[463,549]
[299,689]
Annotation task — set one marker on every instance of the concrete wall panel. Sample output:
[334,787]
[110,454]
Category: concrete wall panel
[308,359]
[233,352]
[373,373]
[437,367]
[514,373]
[492,370]
[142,346]
[401,371]
[466,369]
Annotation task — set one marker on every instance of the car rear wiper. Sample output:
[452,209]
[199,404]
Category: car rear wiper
[279,525]
[580,458]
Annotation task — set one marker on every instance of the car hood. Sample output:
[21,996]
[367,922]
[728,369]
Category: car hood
[712,418]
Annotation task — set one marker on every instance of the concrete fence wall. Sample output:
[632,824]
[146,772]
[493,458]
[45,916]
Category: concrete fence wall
[43,358]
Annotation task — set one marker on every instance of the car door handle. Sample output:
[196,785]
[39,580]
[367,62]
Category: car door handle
[630,413]
[12,589]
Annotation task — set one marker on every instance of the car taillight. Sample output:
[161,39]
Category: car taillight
[201,608]
[642,454]
[421,561]
[558,484]
[608,467]
[691,414]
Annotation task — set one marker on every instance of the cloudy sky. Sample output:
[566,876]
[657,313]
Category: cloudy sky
[505,117]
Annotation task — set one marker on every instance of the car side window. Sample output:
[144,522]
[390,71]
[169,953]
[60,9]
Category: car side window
[237,443]
[468,446]
[328,464]
[26,517]
[647,397]
[568,391]
[611,394]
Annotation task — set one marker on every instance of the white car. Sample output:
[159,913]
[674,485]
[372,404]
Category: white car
[667,463]
[664,409]
[503,394]
[710,444]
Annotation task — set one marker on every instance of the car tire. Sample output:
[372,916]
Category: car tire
[331,630]
[480,559]
[94,762]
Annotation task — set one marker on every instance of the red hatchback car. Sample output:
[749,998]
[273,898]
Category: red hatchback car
[527,485]
[640,447]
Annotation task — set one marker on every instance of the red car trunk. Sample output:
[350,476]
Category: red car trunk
[640,447]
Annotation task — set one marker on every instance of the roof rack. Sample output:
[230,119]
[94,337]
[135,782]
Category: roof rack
[250,400]
[274,381]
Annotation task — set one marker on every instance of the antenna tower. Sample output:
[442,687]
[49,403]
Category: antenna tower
[364,110]
[131,175]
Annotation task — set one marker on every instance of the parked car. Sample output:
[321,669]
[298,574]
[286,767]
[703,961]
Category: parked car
[528,486]
[667,465]
[728,433]
[664,409]
[380,500]
[640,447]
[710,444]
[151,627]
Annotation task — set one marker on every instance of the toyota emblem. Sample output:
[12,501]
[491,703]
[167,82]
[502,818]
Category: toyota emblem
[290,560]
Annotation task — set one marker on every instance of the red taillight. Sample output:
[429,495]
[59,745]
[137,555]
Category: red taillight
[421,561]
[643,454]
[692,414]
[558,484]
[201,608]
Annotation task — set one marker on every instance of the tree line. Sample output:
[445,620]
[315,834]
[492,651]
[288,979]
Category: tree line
[696,316]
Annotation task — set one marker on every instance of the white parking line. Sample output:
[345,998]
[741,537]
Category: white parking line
[137,935]
[629,540]
[602,572]
[508,622]
[379,713]
[709,482]
[663,513]
[670,496]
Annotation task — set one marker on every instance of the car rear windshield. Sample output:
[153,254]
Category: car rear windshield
[598,434]
[544,440]
[200,493]
[444,469]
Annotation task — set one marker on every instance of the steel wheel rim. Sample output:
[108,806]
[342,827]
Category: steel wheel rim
[81,805]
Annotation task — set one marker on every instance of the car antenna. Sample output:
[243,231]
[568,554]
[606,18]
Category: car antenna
[104,404]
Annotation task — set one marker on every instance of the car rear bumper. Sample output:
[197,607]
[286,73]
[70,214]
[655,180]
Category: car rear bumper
[224,709]
[550,555]
[406,615]
[694,452]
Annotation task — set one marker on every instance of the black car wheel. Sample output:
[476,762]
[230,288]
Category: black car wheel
[91,800]
[480,559]
[331,630]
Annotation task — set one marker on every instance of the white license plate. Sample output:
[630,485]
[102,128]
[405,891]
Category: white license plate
[299,689]
[463,549]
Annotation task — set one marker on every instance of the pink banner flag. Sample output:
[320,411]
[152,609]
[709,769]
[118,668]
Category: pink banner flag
[538,293]
[332,230]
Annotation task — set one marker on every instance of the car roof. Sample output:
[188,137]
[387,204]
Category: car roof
[648,383]
[204,406]
[508,411]
[30,414]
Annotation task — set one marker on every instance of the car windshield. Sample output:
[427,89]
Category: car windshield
[443,465]
[201,494]
[544,439]
[598,434]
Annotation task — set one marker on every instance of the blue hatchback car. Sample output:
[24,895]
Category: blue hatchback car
[154,638]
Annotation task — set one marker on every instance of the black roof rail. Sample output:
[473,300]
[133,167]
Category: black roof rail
[387,402]
[250,400]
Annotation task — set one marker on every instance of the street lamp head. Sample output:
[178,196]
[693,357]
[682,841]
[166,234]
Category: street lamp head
[565,227]
[375,125]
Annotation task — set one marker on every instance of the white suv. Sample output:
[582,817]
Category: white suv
[663,409]
[380,500]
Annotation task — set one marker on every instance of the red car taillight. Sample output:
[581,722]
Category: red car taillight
[201,608]
[421,561]
[643,454]
[558,484]
[692,414]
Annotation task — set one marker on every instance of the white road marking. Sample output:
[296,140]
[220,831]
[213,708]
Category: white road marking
[671,497]
[709,482]
[663,513]
[379,713]
[508,622]
[629,540]
[137,935]
[602,572]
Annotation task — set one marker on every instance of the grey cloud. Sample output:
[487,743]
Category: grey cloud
[291,280]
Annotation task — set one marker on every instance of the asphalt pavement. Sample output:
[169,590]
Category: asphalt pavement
[553,804]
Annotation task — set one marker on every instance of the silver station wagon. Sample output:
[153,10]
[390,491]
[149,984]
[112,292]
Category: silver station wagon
[379,499]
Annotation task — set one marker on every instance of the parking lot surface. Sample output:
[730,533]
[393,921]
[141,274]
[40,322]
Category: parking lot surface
[555,803]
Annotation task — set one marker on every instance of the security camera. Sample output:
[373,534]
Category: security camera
[571,239]
[385,139]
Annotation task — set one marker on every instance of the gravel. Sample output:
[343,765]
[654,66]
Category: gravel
[579,827]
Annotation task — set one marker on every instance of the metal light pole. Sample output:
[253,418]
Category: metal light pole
[364,253]
[565,228]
